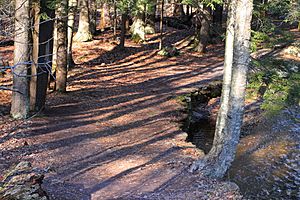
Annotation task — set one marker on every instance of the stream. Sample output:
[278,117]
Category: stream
[267,164]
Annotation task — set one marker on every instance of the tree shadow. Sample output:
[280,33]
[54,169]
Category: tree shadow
[111,113]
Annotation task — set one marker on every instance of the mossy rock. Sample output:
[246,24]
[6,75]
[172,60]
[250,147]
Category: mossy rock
[149,29]
[169,52]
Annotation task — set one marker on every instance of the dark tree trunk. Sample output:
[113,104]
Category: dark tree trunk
[187,10]
[93,16]
[115,18]
[123,31]
[202,35]
[42,49]
[161,25]
[62,24]
[20,96]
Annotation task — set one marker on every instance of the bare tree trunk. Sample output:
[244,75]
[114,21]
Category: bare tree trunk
[54,56]
[93,15]
[35,54]
[123,31]
[20,96]
[42,56]
[115,18]
[103,17]
[227,73]
[202,35]
[71,22]
[219,159]
[83,34]
[161,25]
[62,23]
[145,14]
[187,10]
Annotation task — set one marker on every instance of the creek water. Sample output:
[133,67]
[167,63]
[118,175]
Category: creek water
[267,164]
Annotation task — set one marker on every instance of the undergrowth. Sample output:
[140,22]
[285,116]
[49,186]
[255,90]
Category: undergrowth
[261,39]
[277,82]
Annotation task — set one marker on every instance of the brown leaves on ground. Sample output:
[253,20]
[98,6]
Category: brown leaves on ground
[114,134]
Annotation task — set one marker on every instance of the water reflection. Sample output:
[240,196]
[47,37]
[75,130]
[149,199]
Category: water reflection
[267,164]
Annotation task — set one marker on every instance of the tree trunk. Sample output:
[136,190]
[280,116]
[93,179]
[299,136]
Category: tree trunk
[115,18]
[161,25]
[71,22]
[45,46]
[20,95]
[219,159]
[35,54]
[227,73]
[103,17]
[202,35]
[54,56]
[123,31]
[145,14]
[187,10]
[62,24]
[83,34]
[93,15]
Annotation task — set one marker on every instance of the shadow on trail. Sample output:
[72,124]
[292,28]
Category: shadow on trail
[114,112]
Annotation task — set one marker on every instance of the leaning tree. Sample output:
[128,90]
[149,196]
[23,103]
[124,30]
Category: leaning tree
[230,116]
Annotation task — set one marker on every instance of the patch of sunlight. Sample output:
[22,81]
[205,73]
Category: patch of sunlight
[275,149]
[126,165]
[248,143]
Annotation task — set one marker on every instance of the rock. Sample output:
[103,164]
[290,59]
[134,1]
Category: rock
[169,52]
[22,182]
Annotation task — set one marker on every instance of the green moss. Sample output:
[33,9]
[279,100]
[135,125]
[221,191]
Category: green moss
[169,52]
[136,38]
[262,39]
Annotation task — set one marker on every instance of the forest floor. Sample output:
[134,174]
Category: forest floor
[115,133]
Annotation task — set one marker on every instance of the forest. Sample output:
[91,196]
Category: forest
[149,99]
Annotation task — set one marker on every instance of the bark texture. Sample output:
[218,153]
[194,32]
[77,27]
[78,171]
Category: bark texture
[104,16]
[83,34]
[71,22]
[123,31]
[202,34]
[161,25]
[115,18]
[93,15]
[45,46]
[61,68]
[20,96]
[219,159]
[35,53]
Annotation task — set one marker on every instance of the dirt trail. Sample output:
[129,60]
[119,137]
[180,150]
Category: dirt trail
[114,134]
